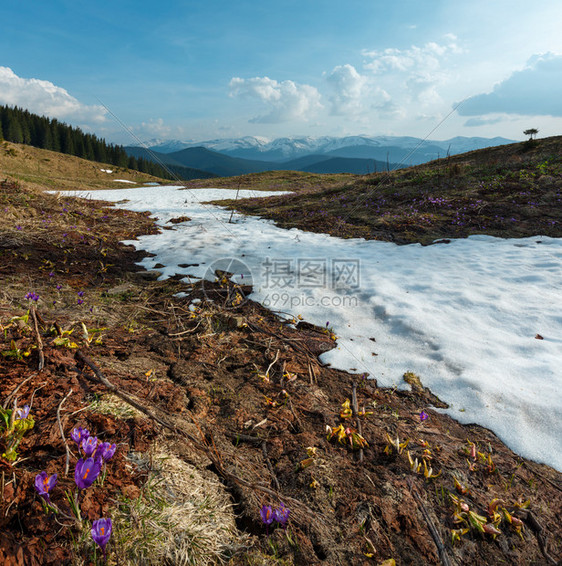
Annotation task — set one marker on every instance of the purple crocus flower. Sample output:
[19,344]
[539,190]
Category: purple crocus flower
[32,296]
[86,472]
[79,434]
[267,515]
[105,451]
[45,483]
[22,413]
[423,416]
[89,445]
[101,532]
[282,515]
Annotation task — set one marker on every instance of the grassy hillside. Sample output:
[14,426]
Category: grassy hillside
[507,191]
[53,170]
[275,181]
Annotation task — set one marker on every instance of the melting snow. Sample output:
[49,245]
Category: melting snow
[467,317]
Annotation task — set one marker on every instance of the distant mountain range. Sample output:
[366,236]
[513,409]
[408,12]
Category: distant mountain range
[351,154]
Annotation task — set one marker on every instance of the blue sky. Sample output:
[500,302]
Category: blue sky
[197,70]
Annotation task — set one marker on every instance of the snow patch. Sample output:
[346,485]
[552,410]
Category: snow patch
[464,316]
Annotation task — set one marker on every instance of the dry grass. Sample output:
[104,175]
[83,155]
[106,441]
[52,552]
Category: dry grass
[52,170]
[296,181]
[112,405]
[182,517]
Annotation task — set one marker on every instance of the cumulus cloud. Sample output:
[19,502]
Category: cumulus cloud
[385,107]
[348,88]
[286,100]
[417,59]
[155,128]
[416,71]
[45,98]
[533,91]
[474,122]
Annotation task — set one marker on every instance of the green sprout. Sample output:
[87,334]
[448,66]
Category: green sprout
[16,422]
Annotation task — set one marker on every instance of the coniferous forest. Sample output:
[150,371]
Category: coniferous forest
[21,126]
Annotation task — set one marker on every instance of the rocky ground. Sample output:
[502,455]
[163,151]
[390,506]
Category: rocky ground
[219,409]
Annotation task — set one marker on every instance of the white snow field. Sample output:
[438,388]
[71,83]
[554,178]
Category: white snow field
[467,317]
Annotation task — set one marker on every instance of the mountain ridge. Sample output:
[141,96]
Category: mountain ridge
[214,163]
[287,148]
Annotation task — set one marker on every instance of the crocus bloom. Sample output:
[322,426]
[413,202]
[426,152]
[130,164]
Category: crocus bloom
[423,416]
[101,531]
[105,451]
[32,296]
[282,515]
[89,445]
[267,514]
[44,483]
[87,471]
[79,434]
[22,413]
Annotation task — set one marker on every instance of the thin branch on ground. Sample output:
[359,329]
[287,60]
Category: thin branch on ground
[38,338]
[15,391]
[432,528]
[62,432]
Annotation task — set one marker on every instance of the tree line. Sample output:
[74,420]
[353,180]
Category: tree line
[21,126]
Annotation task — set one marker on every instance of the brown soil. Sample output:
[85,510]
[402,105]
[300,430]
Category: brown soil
[239,394]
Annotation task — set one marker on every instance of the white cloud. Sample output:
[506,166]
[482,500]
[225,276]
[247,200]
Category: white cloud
[45,98]
[533,91]
[286,100]
[475,122]
[348,90]
[385,107]
[416,71]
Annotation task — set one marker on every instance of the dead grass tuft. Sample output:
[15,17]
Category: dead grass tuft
[182,517]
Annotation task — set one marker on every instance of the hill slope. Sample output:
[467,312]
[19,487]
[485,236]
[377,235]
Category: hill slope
[54,170]
[507,191]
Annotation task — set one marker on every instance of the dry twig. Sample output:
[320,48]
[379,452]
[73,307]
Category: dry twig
[15,391]
[62,432]
[38,337]
[355,410]
[432,528]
